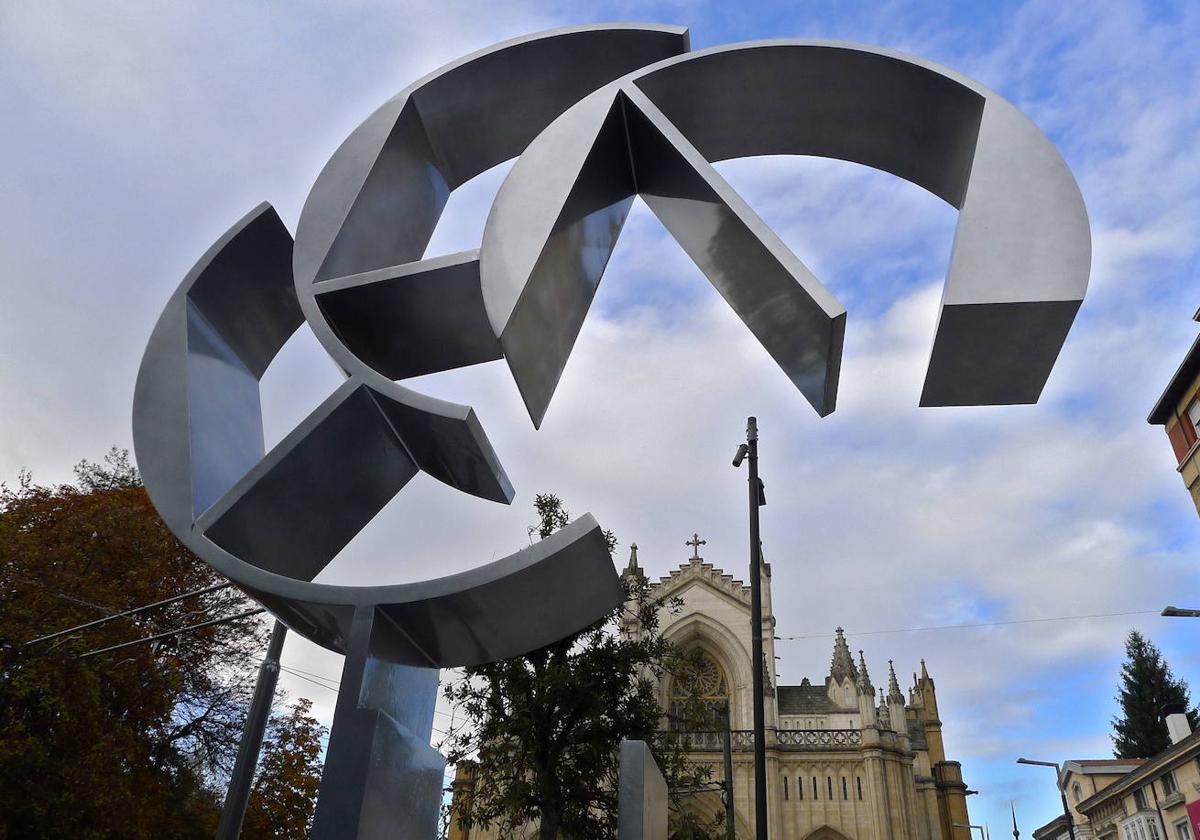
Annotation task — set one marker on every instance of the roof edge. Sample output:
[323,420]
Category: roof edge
[1180,380]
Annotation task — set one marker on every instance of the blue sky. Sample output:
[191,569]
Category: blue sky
[136,133]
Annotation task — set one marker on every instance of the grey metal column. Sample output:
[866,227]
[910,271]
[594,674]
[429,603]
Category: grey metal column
[238,795]
[382,779]
[641,795]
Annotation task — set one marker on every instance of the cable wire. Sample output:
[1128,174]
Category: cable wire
[170,633]
[973,626]
[127,613]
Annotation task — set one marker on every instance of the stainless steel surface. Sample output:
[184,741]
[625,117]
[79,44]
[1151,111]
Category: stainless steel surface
[599,114]
[1022,248]
[272,521]
[641,795]
[381,777]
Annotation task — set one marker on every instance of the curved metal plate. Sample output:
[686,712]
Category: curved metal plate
[272,521]
[1022,248]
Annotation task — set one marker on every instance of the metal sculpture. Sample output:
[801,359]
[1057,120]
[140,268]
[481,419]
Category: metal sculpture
[1021,251]
[597,114]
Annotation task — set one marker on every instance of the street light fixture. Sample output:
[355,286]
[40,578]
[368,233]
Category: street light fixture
[982,831]
[1178,612]
[1057,783]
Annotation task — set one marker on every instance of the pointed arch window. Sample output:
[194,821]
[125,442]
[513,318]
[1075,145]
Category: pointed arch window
[699,694]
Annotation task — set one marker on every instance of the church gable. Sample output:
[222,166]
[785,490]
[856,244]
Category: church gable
[698,573]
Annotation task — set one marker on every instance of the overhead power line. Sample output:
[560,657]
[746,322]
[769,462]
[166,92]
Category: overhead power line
[974,626]
[128,613]
[169,633]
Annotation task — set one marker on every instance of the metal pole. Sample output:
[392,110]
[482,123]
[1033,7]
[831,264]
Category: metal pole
[760,745]
[1067,811]
[729,825]
[238,794]
[1062,793]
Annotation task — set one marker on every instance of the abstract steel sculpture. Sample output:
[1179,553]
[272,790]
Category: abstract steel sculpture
[597,115]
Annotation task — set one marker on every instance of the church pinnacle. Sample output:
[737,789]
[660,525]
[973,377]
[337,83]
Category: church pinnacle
[894,693]
[864,679]
[842,667]
[633,569]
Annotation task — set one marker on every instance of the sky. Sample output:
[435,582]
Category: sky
[135,133]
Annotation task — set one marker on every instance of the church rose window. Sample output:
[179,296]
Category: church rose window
[699,694]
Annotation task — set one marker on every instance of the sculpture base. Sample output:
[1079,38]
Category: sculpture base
[381,776]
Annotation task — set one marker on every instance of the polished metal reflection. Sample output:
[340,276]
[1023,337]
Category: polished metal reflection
[642,795]
[1021,251]
[598,115]
[356,273]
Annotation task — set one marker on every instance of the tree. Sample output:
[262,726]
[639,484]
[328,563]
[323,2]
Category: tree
[134,743]
[543,730]
[1147,685]
[284,796]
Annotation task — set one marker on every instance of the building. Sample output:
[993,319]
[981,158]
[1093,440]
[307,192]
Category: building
[1178,411]
[1134,799]
[1079,779]
[845,761]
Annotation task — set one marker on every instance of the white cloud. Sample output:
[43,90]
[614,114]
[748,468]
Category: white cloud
[141,131]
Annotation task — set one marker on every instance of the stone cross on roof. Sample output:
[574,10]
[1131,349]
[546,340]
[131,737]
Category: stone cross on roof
[695,542]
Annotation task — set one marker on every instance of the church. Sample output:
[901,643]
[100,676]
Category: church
[845,760]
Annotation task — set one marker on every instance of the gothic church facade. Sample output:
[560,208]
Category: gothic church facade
[845,760]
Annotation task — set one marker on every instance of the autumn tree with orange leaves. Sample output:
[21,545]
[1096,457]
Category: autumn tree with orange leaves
[136,743]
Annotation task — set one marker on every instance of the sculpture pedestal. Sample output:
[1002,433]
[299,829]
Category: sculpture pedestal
[381,777]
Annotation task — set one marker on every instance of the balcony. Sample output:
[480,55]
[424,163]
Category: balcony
[811,740]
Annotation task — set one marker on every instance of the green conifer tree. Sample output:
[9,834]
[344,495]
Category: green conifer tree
[1147,685]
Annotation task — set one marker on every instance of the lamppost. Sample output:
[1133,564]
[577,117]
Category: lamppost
[1057,783]
[983,835]
[748,451]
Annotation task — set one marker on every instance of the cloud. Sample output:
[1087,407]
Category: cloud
[139,131]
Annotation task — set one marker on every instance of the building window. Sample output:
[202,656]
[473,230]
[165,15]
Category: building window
[1193,413]
[1139,799]
[699,695]
[829,785]
[815,788]
[845,795]
[800,788]
[1168,783]
[1077,792]
[859,780]
[1181,831]
[785,790]
[1143,827]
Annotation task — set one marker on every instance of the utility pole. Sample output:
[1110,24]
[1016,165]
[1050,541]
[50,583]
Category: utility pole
[748,451]
[238,794]
[730,833]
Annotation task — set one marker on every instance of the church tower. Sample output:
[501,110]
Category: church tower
[843,763]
